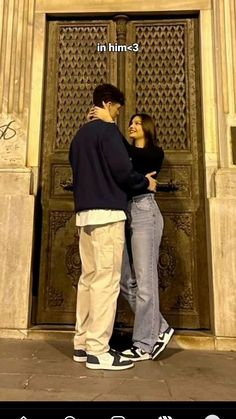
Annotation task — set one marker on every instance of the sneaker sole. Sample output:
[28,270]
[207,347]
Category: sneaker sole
[80,358]
[108,367]
[164,346]
[142,359]
[138,359]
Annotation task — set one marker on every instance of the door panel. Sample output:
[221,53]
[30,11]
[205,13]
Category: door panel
[74,68]
[162,79]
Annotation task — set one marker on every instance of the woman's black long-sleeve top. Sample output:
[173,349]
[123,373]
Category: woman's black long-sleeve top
[144,160]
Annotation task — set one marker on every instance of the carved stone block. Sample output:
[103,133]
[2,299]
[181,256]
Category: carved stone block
[16,238]
[225,183]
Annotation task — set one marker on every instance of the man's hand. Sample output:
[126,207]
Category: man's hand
[152,182]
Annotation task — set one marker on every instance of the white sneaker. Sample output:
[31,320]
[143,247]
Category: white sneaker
[162,342]
[79,355]
[136,354]
[111,360]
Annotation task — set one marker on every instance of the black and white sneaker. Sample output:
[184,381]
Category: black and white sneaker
[136,354]
[162,342]
[80,355]
[111,360]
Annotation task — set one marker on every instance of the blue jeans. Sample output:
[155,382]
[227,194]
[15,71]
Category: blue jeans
[141,289]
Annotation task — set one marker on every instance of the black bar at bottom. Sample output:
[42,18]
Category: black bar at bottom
[118,410]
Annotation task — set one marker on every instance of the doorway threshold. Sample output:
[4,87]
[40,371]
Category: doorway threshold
[183,339]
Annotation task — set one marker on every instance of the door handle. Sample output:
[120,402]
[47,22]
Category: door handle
[67,185]
[170,186]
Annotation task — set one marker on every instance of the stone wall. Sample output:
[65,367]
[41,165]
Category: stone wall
[16,200]
[222,204]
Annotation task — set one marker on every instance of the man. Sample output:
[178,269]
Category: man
[102,172]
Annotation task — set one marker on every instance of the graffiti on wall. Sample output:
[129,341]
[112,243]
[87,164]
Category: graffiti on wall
[7,132]
[12,143]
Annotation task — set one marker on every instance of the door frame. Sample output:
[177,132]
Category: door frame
[207,93]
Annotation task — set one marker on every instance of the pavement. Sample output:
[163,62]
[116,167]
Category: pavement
[43,370]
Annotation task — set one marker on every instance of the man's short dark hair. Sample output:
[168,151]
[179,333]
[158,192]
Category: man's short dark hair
[107,93]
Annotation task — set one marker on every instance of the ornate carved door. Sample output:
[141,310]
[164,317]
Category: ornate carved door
[161,79]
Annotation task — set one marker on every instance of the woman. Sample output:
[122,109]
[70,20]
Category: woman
[151,332]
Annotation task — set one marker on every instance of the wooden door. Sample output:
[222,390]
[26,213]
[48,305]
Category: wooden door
[161,79]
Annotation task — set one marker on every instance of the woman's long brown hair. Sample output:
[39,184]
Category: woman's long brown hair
[149,128]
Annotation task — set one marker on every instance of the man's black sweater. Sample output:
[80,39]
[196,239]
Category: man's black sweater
[102,171]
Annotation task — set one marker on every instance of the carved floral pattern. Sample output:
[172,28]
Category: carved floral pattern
[184,301]
[59,219]
[73,262]
[183,222]
[55,297]
[166,264]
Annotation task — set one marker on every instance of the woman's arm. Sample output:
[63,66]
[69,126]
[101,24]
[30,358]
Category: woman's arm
[100,113]
[103,113]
